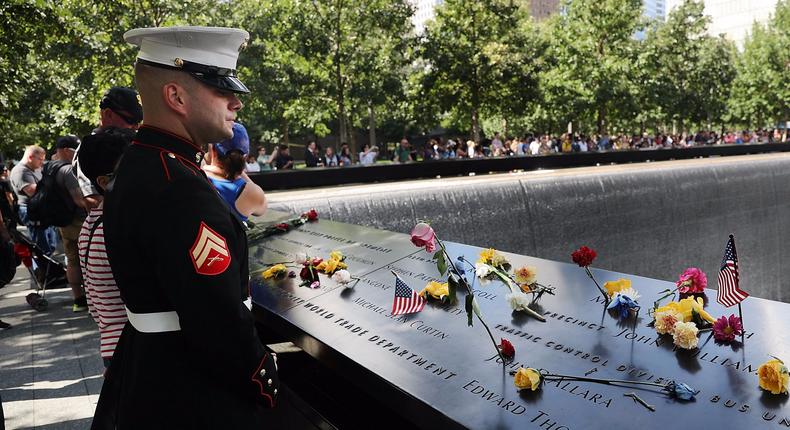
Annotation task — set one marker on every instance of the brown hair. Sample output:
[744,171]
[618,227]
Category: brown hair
[233,164]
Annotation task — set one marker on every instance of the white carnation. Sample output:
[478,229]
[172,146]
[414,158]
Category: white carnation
[342,277]
[518,301]
[482,270]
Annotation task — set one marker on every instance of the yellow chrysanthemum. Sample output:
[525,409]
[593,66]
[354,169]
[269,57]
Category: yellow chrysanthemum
[613,287]
[436,290]
[526,275]
[487,256]
[330,266]
[336,255]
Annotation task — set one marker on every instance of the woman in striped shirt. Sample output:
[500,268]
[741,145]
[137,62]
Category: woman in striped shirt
[98,156]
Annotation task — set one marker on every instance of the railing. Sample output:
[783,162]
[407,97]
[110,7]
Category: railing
[327,176]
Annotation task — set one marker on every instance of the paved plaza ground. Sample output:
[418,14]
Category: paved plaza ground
[50,369]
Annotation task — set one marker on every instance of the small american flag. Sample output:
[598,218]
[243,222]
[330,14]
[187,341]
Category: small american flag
[729,294]
[407,301]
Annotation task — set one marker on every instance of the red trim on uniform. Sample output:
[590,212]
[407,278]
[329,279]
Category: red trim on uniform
[171,134]
[256,373]
[163,150]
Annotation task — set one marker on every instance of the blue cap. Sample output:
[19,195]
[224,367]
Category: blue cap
[239,142]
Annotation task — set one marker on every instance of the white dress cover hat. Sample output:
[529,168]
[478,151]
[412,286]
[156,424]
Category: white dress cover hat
[207,53]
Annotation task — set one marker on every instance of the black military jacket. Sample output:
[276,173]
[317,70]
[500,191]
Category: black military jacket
[174,245]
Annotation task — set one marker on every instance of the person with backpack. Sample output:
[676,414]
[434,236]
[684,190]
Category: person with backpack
[24,179]
[70,206]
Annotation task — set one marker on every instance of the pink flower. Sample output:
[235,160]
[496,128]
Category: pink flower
[422,235]
[692,280]
[725,330]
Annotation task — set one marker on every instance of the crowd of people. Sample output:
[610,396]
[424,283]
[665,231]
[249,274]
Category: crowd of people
[444,148]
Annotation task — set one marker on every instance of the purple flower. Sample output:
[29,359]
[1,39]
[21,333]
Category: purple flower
[725,329]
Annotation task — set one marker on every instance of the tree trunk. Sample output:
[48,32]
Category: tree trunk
[285,131]
[601,119]
[372,125]
[475,126]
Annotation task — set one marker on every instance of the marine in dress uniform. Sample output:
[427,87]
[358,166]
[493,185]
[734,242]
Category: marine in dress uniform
[189,358]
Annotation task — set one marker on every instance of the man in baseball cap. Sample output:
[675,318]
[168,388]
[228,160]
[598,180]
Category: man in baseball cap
[190,356]
[120,107]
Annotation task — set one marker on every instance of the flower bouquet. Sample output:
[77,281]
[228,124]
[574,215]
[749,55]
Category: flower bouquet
[257,233]
[683,320]
[334,267]
[493,265]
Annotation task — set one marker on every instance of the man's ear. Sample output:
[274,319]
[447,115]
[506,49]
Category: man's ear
[102,181]
[174,96]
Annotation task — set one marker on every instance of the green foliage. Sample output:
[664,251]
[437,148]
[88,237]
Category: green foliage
[321,67]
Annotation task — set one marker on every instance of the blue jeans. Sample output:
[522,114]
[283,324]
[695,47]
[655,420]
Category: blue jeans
[46,238]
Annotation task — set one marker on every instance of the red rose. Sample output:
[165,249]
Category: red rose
[506,348]
[282,226]
[583,256]
[311,215]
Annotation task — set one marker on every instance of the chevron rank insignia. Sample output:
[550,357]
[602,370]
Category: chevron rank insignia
[210,252]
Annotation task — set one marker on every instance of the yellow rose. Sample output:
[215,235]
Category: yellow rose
[436,290]
[275,271]
[774,377]
[487,256]
[613,287]
[685,335]
[527,378]
[336,255]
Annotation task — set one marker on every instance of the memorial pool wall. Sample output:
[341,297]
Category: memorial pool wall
[650,219]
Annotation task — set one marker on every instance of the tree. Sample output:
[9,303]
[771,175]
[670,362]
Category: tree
[480,59]
[593,51]
[345,54]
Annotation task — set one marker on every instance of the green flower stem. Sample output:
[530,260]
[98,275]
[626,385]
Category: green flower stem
[554,376]
[470,292]
[603,293]
[671,293]
[514,289]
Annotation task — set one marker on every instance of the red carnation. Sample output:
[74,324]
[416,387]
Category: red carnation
[311,215]
[282,226]
[506,348]
[583,256]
